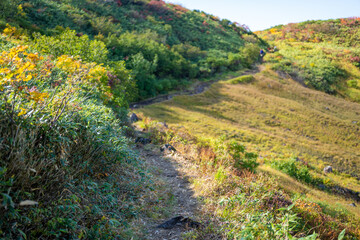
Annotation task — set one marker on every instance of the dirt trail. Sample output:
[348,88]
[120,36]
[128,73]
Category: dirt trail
[167,169]
[170,170]
[197,88]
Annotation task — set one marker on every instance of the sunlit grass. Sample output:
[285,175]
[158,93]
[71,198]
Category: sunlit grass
[303,190]
[277,118]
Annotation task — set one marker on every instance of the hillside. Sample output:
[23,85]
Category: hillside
[298,114]
[320,54]
[165,45]
[68,71]
[241,156]
[293,129]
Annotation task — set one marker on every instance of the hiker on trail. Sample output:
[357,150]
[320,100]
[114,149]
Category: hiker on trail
[262,53]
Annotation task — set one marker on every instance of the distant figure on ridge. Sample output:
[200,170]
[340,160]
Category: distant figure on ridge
[262,53]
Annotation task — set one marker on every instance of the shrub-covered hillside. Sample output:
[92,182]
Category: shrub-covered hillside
[320,54]
[165,45]
[344,32]
[66,167]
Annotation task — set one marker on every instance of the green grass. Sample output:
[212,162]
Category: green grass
[241,79]
[279,119]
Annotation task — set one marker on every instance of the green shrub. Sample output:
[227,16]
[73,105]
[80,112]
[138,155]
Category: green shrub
[68,43]
[310,65]
[294,169]
[65,161]
[353,83]
[241,79]
[241,158]
[9,8]
[250,54]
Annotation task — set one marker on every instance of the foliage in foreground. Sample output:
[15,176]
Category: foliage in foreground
[66,169]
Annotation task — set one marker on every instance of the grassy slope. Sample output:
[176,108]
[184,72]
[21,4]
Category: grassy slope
[319,51]
[279,119]
[277,115]
[104,187]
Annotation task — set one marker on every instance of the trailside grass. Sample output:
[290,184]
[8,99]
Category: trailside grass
[279,119]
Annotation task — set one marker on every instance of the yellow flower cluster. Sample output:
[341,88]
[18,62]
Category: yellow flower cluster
[89,74]
[97,72]
[68,64]
[17,66]
[9,30]
[38,96]
[309,207]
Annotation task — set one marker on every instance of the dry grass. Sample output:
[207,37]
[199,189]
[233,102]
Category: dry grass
[293,186]
[218,183]
[277,118]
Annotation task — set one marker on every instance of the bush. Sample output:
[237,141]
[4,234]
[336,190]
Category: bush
[353,83]
[241,158]
[65,161]
[250,54]
[242,79]
[9,8]
[68,43]
[293,169]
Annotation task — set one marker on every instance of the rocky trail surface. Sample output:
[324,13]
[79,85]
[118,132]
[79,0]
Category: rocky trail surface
[184,213]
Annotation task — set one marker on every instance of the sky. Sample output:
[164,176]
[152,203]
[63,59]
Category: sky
[263,14]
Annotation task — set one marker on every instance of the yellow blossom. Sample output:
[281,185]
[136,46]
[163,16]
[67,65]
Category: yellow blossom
[22,112]
[38,96]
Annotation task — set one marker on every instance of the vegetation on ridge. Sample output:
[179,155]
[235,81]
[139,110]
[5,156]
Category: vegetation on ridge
[165,45]
[320,54]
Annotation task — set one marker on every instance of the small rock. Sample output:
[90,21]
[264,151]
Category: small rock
[171,223]
[167,148]
[179,221]
[164,124]
[326,108]
[321,186]
[352,205]
[328,169]
[134,118]
[354,122]
[143,140]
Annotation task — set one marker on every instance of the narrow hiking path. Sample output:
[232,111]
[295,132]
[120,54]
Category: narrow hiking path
[172,170]
[195,89]
[167,170]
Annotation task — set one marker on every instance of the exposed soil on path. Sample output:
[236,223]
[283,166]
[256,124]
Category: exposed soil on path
[167,169]
[197,88]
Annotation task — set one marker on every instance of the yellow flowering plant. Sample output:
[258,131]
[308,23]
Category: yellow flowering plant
[17,69]
[31,84]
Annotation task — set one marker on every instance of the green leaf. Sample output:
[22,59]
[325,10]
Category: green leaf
[22,234]
[342,234]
